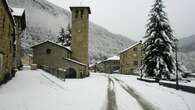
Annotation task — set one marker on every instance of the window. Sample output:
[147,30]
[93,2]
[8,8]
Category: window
[1,62]
[48,51]
[77,13]
[3,23]
[135,49]
[135,63]
[82,12]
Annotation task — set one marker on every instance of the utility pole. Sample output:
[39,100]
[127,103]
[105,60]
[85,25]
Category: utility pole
[141,60]
[177,77]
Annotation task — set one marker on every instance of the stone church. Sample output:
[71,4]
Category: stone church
[73,59]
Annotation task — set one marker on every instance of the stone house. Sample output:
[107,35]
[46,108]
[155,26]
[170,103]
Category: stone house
[20,21]
[7,39]
[109,65]
[131,59]
[73,59]
[27,59]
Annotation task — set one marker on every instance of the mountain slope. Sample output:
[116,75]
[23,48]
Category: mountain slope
[187,44]
[44,21]
[187,48]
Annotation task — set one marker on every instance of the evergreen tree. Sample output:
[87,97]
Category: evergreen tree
[62,36]
[65,36]
[159,46]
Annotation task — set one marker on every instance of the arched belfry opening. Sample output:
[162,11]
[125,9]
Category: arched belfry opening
[71,73]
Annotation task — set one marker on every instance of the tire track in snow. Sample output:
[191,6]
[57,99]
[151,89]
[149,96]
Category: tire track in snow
[143,103]
[111,97]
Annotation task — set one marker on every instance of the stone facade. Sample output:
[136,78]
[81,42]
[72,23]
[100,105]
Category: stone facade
[80,30]
[20,21]
[27,59]
[131,59]
[109,66]
[7,39]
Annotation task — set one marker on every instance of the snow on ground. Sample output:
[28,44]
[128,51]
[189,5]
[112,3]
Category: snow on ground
[37,90]
[126,101]
[162,97]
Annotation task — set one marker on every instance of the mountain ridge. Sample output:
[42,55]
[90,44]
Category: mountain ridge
[45,19]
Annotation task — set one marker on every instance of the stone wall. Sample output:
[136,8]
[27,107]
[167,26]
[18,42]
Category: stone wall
[80,30]
[6,42]
[18,40]
[50,55]
[58,57]
[108,66]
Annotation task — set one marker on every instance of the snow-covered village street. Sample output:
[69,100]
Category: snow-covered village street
[97,55]
[38,90]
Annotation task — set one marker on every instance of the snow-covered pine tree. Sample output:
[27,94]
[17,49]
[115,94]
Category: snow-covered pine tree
[61,37]
[65,36]
[68,36]
[159,46]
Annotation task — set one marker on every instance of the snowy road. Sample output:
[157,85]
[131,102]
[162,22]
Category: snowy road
[116,88]
[143,102]
[112,104]
[38,90]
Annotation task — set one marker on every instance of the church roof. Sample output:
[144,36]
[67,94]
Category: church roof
[75,61]
[67,48]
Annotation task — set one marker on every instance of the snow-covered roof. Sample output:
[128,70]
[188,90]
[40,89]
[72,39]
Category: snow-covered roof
[130,47]
[75,61]
[113,58]
[67,48]
[17,11]
[91,65]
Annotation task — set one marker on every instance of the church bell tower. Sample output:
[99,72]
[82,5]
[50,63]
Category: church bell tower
[80,31]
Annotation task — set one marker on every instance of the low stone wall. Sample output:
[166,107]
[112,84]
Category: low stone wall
[181,87]
[59,73]
[147,80]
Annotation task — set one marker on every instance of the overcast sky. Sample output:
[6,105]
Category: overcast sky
[129,17]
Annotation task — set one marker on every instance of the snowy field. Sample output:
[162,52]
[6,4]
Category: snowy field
[38,90]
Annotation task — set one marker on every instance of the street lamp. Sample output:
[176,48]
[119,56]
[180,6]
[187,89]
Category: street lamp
[177,77]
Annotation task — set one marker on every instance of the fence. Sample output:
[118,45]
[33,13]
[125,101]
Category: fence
[59,73]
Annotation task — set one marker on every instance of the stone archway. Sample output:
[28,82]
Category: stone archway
[71,73]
